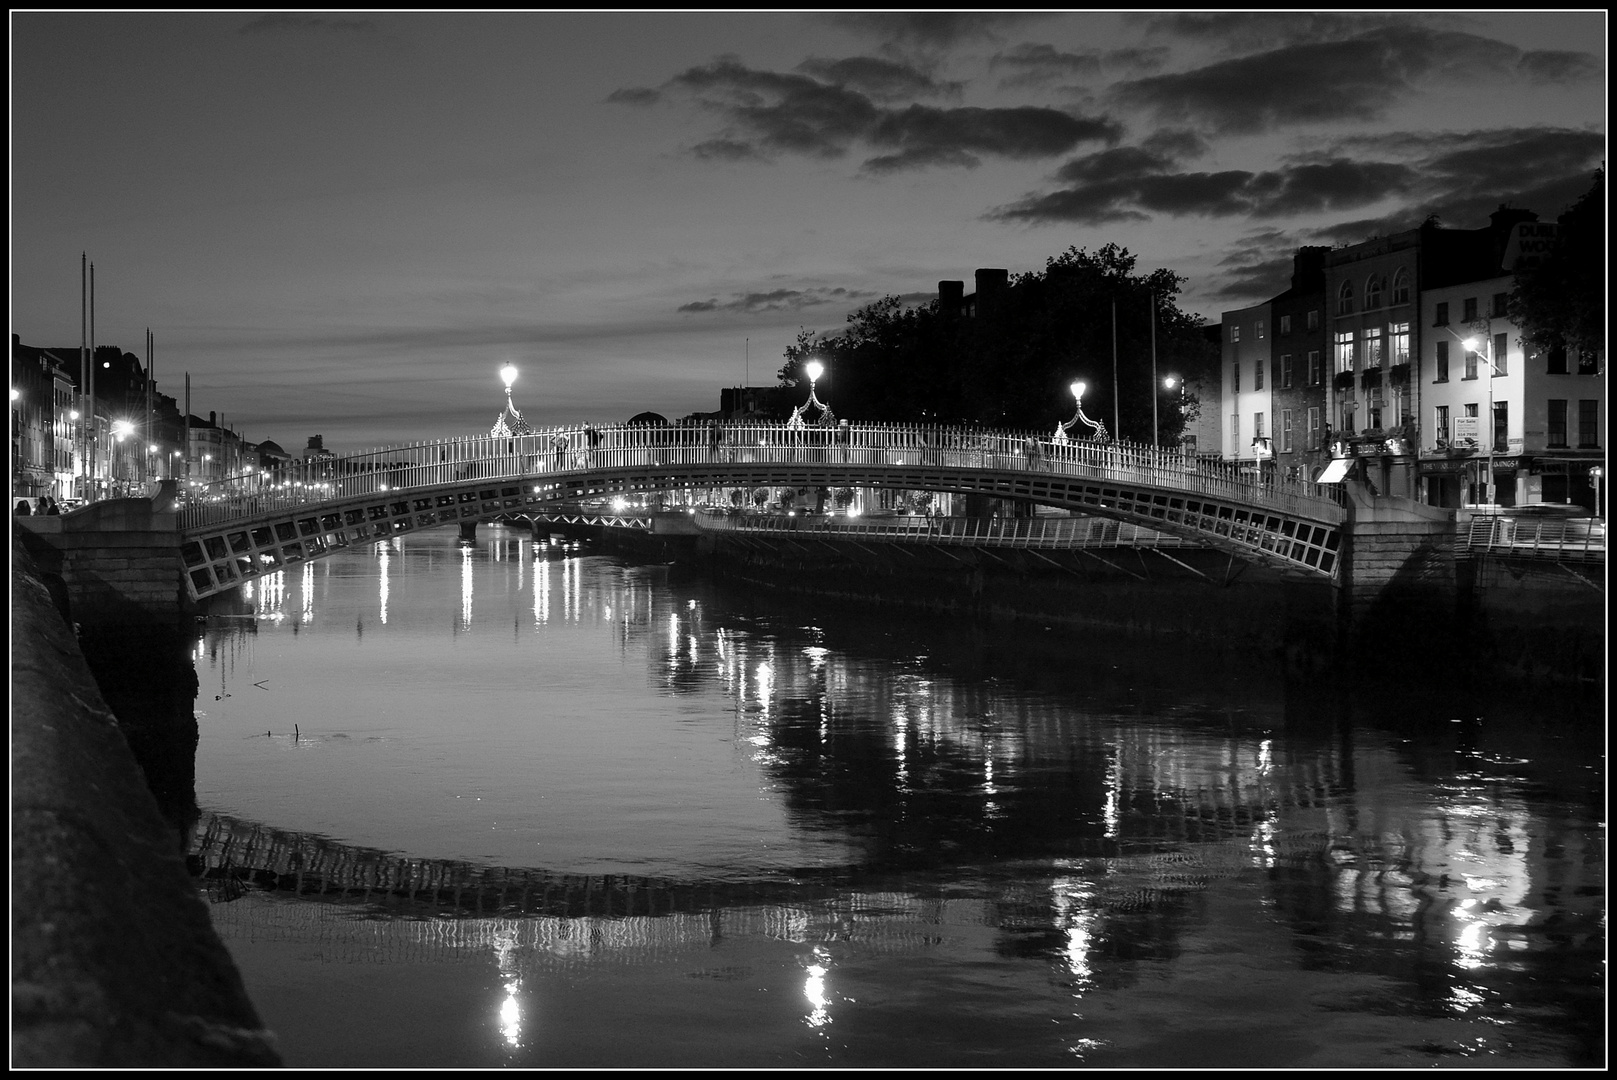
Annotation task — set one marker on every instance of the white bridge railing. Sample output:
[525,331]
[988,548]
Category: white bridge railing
[1037,532]
[1582,538]
[560,452]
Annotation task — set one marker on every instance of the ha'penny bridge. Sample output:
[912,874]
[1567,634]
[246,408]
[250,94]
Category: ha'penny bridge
[239,529]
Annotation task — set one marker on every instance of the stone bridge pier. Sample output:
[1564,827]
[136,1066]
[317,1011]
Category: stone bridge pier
[1399,581]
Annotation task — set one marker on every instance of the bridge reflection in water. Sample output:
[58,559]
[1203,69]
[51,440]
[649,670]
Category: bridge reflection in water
[984,816]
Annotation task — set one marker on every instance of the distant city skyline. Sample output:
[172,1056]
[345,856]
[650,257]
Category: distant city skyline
[345,223]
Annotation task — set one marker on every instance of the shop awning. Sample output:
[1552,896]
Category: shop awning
[1335,471]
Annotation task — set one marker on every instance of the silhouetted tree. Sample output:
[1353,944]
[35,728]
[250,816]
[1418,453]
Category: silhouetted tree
[1010,366]
[1562,300]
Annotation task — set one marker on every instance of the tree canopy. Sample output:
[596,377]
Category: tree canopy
[1562,300]
[1010,366]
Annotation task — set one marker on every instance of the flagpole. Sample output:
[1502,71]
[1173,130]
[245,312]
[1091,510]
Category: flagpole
[1156,438]
[1117,389]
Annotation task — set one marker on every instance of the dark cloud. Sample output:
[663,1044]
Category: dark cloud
[930,29]
[776,300]
[1125,183]
[634,95]
[1175,143]
[770,113]
[1355,78]
[1261,271]
[883,80]
[281,21]
[1041,65]
[1020,132]
[1554,66]
[1257,31]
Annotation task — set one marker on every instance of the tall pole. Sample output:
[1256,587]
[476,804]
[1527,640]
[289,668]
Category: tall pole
[1155,437]
[185,450]
[1117,414]
[84,370]
[91,415]
[146,454]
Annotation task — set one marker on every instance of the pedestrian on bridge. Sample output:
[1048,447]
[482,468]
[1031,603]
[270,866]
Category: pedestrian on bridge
[715,437]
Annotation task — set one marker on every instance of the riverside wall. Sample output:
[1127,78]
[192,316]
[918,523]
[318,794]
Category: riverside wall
[114,960]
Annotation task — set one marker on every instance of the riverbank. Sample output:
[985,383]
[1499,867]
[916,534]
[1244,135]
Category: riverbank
[115,962]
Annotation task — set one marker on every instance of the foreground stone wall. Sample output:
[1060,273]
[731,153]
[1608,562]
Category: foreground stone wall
[114,961]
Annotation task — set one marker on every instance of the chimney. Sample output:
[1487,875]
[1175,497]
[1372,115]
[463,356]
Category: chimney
[1308,268]
[951,297]
[990,288]
[213,419]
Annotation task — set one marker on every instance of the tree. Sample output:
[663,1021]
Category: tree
[1561,301]
[1010,366]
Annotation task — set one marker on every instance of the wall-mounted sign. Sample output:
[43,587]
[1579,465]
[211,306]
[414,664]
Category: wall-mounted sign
[1466,429]
[1529,243]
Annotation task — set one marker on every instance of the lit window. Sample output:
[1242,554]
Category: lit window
[1346,352]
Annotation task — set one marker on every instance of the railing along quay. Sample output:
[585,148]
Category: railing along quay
[1042,533]
[1578,538]
[563,451]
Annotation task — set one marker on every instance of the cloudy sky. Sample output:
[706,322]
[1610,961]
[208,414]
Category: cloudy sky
[346,223]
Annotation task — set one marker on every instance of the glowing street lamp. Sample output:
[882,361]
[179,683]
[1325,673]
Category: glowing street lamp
[1097,429]
[813,369]
[510,421]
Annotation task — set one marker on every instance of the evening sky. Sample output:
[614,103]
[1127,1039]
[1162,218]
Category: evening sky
[345,223]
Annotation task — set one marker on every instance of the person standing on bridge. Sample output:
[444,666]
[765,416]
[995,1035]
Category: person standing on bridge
[560,444]
[715,438]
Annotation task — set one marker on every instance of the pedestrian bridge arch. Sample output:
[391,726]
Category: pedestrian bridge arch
[241,528]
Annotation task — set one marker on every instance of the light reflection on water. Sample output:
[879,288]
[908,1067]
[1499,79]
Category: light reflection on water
[613,802]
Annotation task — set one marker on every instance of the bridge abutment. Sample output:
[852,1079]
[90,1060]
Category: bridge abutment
[115,563]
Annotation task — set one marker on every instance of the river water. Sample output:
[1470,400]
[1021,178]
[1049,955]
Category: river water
[519,804]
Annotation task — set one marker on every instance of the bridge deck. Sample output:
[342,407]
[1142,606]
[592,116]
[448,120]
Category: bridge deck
[243,527]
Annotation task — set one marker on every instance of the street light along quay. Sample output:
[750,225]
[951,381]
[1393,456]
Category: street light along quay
[1474,345]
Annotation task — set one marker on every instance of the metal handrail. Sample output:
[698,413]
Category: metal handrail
[1062,533]
[1536,539]
[563,451]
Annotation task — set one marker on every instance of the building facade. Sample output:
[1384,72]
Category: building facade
[1299,372]
[1247,408]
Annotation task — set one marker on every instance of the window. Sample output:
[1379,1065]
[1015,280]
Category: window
[1257,425]
[1471,409]
[1235,378]
[1347,417]
[1372,292]
[1555,360]
[1440,425]
[1235,430]
[1313,427]
[1345,358]
[1372,347]
[1376,404]
[1344,299]
[1257,375]
[1285,431]
[1235,332]
[1589,423]
[1442,362]
[1316,373]
[1557,421]
[1442,315]
[1588,362]
[1285,371]
[1313,319]
[1501,352]
[1400,287]
[1470,307]
[1258,328]
[1501,425]
[1285,324]
[1470,365]
[1500,300]
[1400,343]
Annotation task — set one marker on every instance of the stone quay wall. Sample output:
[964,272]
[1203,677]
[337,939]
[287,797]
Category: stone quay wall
[114,960]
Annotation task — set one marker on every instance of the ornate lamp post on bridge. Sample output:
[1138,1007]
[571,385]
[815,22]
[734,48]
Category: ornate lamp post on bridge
[1097,428]
[813,369]
[510,420]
